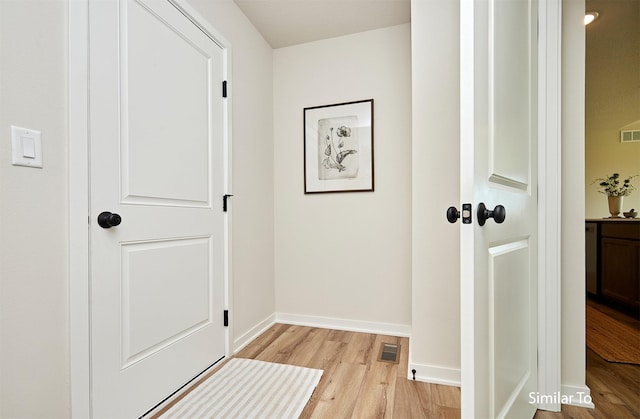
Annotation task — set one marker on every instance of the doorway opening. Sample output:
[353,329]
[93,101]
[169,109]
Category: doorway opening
[612,106]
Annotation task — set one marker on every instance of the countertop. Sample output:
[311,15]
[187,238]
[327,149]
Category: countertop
[613,220]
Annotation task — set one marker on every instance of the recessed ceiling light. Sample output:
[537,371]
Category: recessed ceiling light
[590,17]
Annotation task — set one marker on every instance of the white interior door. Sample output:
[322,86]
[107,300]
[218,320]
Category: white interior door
[156,159]
[498,166]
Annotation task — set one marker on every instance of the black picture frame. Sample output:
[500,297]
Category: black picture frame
[338,147]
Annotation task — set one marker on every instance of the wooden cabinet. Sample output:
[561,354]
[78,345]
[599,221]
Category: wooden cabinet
[591,249]
[613,251]
[620,263]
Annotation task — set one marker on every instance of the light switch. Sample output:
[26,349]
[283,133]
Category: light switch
[27,147]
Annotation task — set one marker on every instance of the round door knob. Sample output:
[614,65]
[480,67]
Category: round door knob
[108,220]
[452,214]
[498,214]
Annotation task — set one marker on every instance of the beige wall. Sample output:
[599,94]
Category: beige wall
[612,99]
[251,90]
[435,338]
[34,309]
[345,255]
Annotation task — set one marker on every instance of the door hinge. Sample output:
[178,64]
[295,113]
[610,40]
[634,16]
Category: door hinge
[226,318]
[224,88]
[225,198]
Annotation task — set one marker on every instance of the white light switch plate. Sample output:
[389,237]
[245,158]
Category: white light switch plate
[27,147]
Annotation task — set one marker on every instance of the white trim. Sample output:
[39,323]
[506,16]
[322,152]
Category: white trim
[79,329]
[253,333]
[435,375]
[445,376]
[469,350]
[228,151]
[198,20]
[345,324]
[549,202]
[79,270]
[579,395]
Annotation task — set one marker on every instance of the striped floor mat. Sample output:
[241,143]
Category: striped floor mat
[246,388]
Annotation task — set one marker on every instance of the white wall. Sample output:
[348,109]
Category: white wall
[345,255]
[34,331]
[251,90]
[435,339]
[573,197]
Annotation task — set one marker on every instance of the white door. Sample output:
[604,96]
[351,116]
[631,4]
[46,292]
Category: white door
[156,160]
[499,167]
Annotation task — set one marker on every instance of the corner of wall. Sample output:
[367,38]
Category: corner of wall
[435,154]
[253,289]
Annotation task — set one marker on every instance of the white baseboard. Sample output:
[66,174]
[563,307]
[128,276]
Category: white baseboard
[344,324]
[253,333]
[577,396]
[435,375]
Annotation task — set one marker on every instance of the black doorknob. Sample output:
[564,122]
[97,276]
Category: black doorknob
[108,220]
[498,214]
[452,214]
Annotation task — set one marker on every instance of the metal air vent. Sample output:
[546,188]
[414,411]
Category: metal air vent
[630,136]
[389,352]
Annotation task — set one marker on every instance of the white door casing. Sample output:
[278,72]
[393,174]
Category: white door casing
[157,158]
[499,166]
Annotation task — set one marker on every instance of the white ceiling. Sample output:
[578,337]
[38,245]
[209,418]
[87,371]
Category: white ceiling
[289,22]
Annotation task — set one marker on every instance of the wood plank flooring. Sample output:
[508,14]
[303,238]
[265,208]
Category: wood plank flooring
[615,387]
[356,385]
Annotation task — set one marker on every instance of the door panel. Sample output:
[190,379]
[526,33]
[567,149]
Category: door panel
[175,307]
[157,145]
[510,94]
[162,70]
[498,166]
[510,354]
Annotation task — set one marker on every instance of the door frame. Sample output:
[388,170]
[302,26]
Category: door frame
[79,193]
[549,200]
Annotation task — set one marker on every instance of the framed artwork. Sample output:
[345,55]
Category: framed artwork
[338,147]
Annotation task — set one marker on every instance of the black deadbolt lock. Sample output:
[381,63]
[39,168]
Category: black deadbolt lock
[453,214]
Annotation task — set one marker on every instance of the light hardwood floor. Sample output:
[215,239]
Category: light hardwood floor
[356,385]
[615,387]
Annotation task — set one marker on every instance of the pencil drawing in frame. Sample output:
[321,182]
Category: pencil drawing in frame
[338,147]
